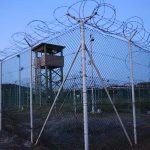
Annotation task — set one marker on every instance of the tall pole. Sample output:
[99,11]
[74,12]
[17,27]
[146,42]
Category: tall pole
[46,78]
[92,91]
[92,97]
[31,98]
[19,102]
[84,89]
[133,91]
[74,100]
[0,95]
[31,95]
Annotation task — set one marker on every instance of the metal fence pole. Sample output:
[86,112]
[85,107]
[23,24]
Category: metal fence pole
[0,95]
[82,22]
[19,102]
[31,93]
[91,84]
[133,91]
[74,100]
[93,100]
[84,89]
[31,98]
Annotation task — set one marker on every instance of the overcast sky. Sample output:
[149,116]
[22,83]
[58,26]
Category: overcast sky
[15,14]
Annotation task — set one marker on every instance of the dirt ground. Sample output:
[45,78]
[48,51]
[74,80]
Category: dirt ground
[65,132]
[13,142]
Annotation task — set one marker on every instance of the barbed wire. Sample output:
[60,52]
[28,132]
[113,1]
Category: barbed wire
[104,19]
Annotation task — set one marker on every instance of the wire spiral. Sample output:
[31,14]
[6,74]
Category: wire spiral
[104,19]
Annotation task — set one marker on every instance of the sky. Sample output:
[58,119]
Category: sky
[15,14]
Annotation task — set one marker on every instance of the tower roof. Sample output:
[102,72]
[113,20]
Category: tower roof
[50,48]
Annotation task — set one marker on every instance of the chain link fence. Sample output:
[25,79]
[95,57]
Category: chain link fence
[64,129]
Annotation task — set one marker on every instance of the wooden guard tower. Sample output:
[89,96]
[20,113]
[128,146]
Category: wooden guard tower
[48,63]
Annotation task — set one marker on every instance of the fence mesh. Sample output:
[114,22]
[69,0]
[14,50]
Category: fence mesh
[64,129]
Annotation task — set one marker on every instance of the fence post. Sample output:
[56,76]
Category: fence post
[84,89]
[19,75]
[91,84]
[31,92]
[74,100]
[133,91]
[31,97]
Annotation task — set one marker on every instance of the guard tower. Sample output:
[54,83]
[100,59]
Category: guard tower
[48,63]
